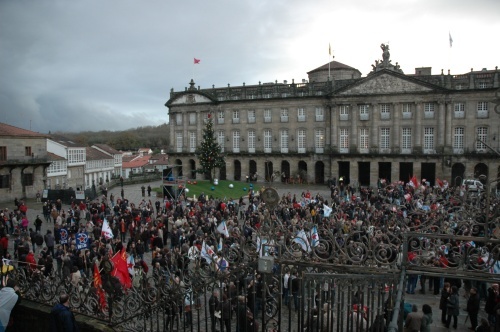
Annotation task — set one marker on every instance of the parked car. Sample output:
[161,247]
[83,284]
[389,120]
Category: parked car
[472,184]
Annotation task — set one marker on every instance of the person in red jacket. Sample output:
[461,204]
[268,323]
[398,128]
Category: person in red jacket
[31,261]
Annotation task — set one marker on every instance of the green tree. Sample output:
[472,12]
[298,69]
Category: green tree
[209,152]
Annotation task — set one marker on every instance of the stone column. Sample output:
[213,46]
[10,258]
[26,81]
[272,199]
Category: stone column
[334,127]
[442,128]
[353,135]
[448,143]
[394,171]
[374,118]
[335,169]
[396,128]
[417,127]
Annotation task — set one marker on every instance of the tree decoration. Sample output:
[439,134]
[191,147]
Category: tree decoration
[209,152]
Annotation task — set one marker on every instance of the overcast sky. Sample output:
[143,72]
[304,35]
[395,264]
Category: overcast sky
[110,64]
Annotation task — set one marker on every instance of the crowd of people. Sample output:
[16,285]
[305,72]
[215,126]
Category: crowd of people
[171,234]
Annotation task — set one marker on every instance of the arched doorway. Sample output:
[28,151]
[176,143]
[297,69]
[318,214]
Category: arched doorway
[222,172]
[302,171]
[237,170]
[319,172]
[252,170]
[178,168]
[285,171]
[480,170]
[192,167]
[268,171]
[457,174]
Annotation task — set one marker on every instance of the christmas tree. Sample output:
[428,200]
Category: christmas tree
[209,152]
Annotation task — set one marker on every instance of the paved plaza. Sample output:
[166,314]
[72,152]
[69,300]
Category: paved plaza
[134,194]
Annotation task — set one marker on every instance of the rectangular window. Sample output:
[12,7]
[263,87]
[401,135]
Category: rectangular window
[344,140]
[385,139]
[236,141]
[301,141]
[220,117]
[482,136]
[28,179]
[267,115]
[268,140]
[482,109]
[178,142]
[344,112]
[284,140]
[458,140]
[406,145]
[407,111]
[301,114]
[27,151]
[320,114]
[319,140]
[192,142]
[236,116]
[221,139]
[429,110]
[364,112]
[251,141]
[429,140]
[284,115]
[363,140]
[251,116]
[3,153]
[385,111]
[459,110]
[178,119]
[192,118]
[5,181]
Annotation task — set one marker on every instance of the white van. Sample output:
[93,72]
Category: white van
[472,184]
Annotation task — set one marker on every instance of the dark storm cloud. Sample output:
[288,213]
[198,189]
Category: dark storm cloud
[92,65]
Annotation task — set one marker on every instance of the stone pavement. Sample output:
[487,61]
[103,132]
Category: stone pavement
[133,194]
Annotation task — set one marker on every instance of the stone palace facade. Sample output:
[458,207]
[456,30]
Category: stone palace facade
[387,125]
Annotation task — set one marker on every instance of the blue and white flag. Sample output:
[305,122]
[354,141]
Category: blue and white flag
[314,236]
[207,253]
[222,228]
[326,210]
[220,245]
[82,241]
[106,230]
[302,240]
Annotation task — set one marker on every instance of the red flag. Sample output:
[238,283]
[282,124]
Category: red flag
[440,183]
[413,181]
[120,269]
[196,61]
[98,286]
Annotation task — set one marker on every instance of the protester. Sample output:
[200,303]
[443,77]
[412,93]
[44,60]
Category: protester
[61,317]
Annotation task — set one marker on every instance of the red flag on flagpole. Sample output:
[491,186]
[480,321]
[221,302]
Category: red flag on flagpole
[98,286]
[196,61]
[120,269]
[439,182]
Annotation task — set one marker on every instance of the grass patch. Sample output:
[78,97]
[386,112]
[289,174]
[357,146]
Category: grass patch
[221,190]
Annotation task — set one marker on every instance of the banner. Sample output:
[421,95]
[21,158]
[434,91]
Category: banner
[106,230]
[120,269]
[82,241]
[63,233]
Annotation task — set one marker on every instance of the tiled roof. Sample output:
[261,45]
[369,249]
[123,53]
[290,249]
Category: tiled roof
[8,130]
[333,65]
[163,160]
[54,157]
[137,162]
[65,141]
[107,148]
[94,154]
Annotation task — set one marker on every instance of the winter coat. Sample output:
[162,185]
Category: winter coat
[62,319]
[453,305]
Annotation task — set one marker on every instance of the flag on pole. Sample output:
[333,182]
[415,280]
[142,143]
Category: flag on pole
[301,239]
[314,236]
[130,265]
[219,246]
[120,269]
[98,286]
[327,210]
[207,253]
[451,39]
[329,49]
[106,230]
[439,182]
[222,228]
[196,61]
[413,181]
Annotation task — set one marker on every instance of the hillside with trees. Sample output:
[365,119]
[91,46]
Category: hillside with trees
[153,137]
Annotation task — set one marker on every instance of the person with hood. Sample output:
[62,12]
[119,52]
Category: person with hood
[61,317]
[9,297]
